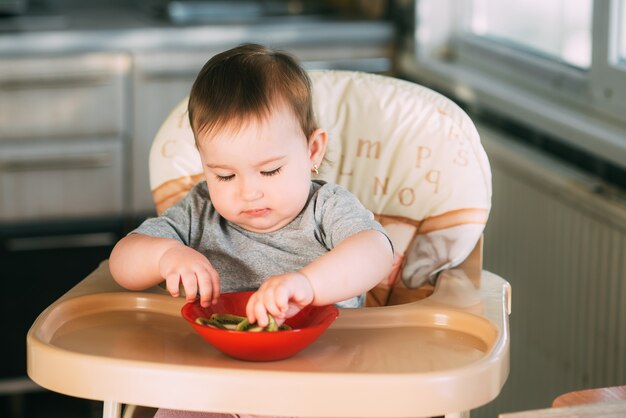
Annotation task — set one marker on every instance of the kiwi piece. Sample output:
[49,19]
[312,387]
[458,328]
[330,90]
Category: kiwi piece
[209,322]
[243,325]
[240,323]
[202,320]
[227,318]
[255,328]
[271,326]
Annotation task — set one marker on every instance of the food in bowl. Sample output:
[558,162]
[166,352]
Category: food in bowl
[306,327]
[239,323]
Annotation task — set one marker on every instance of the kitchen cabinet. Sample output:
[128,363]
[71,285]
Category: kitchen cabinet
[160,81]
[63,144]
[63,134]
[61,179]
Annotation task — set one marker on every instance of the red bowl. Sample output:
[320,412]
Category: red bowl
[307,325]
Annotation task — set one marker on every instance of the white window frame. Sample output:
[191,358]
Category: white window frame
[608,78]
[586,109]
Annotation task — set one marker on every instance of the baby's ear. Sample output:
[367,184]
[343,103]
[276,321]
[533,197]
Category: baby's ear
[317,146]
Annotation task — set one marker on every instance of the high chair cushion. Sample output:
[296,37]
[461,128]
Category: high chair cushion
[411,155]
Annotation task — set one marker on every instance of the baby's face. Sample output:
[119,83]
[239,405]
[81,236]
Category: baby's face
[259,177]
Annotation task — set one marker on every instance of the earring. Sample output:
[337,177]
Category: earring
[314,169]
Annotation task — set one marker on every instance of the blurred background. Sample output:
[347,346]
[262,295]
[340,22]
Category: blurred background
[85,85]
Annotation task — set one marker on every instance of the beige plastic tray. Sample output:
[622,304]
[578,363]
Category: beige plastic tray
[446,354]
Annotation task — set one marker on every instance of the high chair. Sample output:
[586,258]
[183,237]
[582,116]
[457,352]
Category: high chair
[433,339]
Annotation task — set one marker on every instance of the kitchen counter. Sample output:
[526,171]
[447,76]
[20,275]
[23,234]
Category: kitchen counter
[114,29]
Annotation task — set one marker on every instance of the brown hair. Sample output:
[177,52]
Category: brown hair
[245,82]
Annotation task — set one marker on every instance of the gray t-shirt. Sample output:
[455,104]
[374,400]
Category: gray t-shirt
[245,259]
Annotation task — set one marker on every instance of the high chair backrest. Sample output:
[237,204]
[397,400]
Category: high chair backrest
[411,155]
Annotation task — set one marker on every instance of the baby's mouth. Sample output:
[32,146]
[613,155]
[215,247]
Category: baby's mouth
[257,212]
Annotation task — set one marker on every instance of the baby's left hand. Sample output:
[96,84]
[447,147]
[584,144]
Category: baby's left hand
[282,296]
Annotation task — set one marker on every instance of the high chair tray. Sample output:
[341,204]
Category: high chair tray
[418,359]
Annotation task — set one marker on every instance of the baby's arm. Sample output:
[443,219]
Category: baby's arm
[140,261]
[354,266]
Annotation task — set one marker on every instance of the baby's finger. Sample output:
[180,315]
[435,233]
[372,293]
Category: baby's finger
[269,302]
[172,283]
[205,287]
[250,308]
[215,284]
[190,284]
[282,300]
[261,315]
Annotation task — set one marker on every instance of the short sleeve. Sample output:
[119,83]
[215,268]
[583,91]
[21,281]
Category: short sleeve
[175,222]
[340,215]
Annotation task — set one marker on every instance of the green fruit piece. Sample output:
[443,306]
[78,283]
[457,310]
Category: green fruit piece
[243,325]
[208,322]
[227,318]
[255,328]
[202,320]
[216,324]
[271,326]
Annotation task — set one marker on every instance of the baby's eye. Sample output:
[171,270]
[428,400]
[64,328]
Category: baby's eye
[225,178]
[271,172]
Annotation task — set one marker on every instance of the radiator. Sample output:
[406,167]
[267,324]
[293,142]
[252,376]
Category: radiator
[559,237]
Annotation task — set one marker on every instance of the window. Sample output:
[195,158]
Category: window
[556,66]
[622,38]
[557,29]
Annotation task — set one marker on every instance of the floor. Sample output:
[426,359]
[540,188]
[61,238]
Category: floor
[45,404]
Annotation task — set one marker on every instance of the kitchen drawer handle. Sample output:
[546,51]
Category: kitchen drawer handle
[50,82]
[97,239]
[168,74]
[58,163]
[370,65]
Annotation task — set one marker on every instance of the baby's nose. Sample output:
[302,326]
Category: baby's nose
[251,190]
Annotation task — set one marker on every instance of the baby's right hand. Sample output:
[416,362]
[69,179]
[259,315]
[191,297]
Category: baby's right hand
[182,264]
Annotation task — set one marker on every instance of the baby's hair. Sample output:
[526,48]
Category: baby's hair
[248,82]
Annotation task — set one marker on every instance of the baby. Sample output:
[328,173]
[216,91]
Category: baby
[259,221]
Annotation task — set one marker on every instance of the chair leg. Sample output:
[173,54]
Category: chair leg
[112,409]
[465,414]
[138,411]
